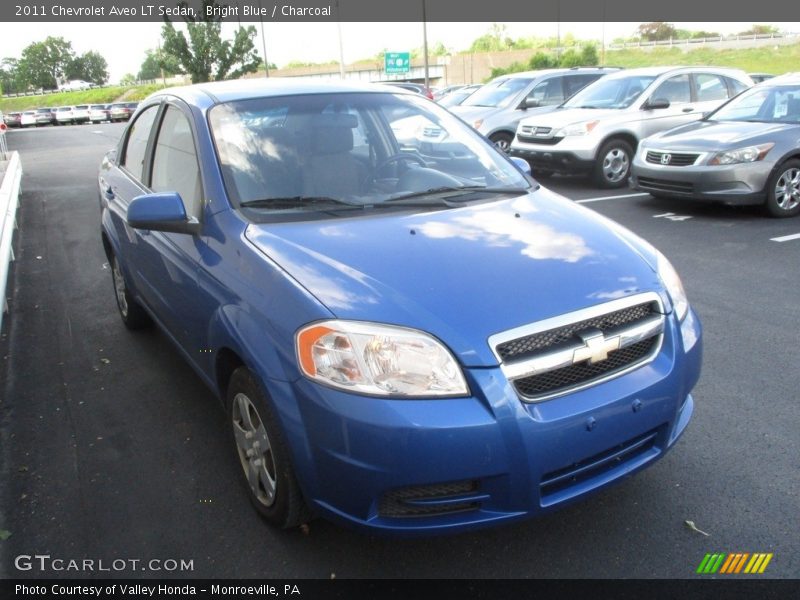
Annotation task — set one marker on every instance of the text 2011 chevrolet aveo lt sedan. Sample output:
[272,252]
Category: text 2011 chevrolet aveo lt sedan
[408,335]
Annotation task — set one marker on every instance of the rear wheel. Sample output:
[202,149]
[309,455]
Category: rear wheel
[613,165]
[783,190]
[263,454]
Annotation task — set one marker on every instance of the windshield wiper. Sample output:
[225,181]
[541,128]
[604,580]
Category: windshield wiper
[298,202]
[456,190]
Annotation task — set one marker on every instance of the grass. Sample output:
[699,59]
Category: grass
[104,95]
[781,59]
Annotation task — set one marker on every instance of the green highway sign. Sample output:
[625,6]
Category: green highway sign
[397,62]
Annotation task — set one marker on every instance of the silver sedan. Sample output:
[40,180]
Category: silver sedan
[745,152]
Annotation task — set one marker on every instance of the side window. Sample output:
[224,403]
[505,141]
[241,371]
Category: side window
[547,93]
[675,89]
[137,142]
[736,86]
[175,167]
[575,83]
[710,87]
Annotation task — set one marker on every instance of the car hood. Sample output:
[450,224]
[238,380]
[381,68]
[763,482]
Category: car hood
[719,135]
[461,274]
[567,116]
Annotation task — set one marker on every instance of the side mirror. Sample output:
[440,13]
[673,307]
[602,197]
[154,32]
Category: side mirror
[530,103]
[656,103]
[521,164]
[162,211]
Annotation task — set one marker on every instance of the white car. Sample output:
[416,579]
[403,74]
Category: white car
[80,113]
[75,85]
[28,118]
[598,130]
[64,115]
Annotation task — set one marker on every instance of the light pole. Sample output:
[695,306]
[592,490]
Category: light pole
[425,42]
[341,48]
[263,39]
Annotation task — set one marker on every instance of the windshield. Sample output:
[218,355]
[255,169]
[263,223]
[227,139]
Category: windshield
[350,151]
[606,92]
[772,104]
[498,93]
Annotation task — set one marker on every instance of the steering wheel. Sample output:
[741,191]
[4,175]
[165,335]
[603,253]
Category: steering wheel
[370,178]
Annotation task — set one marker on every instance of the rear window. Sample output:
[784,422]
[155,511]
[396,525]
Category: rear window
[82,107]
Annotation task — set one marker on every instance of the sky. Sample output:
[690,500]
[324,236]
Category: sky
[124,44]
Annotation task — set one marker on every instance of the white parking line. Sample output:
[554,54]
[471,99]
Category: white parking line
[786,238]
[600,199]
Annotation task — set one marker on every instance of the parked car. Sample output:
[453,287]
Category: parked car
[80,114]
[441,92]
[28,118]
[402,344]
[457,97]
[745,152]
[75,85]
[417,88]
[122,111]
[598,130]
[13,119]
[497,108]
[64,115]
[99,112]
[45,116]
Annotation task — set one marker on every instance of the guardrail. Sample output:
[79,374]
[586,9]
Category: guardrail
[9,199]
[703,40]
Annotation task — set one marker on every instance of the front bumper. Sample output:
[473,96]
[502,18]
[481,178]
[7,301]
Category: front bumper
[739,184]
[556,161]
[431,466]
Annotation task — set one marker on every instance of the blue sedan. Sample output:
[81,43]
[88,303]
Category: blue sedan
[408,333]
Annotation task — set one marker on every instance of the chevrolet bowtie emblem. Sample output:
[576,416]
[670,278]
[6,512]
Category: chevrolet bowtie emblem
[596,347]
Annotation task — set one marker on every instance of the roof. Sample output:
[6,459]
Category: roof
[244,89]
[543,72]
[658,71]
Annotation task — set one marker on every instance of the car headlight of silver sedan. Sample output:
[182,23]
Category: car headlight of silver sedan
[741,155]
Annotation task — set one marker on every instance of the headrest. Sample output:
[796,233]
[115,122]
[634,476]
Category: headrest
[331,139]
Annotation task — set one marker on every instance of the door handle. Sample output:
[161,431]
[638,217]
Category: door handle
[688,110]
[109,193]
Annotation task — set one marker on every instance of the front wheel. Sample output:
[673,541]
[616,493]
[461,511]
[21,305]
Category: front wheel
[263,453]
[613,164]
[783,191]
[133,315]
[502,141]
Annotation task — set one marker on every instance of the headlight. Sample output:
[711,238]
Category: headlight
[741,155]
[669,276]
[583,128]
[477,124]
[378,360]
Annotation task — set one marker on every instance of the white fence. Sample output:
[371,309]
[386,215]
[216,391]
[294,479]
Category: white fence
[9,199]
[790,37]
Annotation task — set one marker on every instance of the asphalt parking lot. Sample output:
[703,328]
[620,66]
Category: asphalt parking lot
[113,449]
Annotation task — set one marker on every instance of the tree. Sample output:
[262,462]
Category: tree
[90,66]
[541,60]
[657,31]
[761,30]
[495,39]
[570,58]
[589,57]
[206,56]
[152,67]
[128,79]
[11,80]
[43,64]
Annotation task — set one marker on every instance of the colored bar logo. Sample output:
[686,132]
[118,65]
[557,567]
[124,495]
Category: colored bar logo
[734,563]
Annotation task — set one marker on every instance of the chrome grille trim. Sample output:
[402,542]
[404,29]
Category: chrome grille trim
[563,355]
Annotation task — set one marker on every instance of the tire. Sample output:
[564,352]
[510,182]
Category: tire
[502,140]
[613,164]
[783,191]
[133,315]
[263,454]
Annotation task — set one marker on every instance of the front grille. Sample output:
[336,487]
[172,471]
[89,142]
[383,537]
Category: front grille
[569,352]
[676,159]
[666,185]
[527,346]
[432,132]
[555,486]
[553,381]
[430,500]
[544,141]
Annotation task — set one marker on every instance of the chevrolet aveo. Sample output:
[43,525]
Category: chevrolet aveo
[409,336]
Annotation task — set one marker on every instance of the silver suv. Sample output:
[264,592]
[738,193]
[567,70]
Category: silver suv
[598,129]
[497,107]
